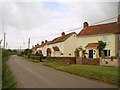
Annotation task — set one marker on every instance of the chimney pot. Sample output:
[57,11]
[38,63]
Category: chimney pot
[42,42]
[85,24]
[63,33]
[37,44]
[46,41]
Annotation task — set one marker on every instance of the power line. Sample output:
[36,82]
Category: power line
[104,20]
[75,29]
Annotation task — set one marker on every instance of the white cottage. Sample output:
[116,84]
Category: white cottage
[90,35]
[63,46]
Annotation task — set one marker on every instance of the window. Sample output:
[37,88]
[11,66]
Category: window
[107,53]
[105,38]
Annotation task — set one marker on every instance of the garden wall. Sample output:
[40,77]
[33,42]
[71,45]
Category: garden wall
[67,60]
[87,61]
[110,62]
[90,61]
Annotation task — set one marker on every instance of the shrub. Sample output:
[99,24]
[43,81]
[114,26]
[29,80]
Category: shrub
[7,77]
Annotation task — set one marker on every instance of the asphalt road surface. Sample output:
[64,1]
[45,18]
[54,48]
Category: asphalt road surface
[36,75]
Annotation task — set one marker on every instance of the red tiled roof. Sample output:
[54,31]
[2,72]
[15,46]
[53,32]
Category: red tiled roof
[91,45]
[61,38]
[42,45]
[100,29]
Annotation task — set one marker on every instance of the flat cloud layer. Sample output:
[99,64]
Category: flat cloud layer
[22,20]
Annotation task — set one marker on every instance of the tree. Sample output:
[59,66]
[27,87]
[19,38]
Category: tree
[14,52]
[78,50]
[101,46]
[9,50]
[27,52]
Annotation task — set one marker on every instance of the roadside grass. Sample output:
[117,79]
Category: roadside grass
[33,60]
[106,74]
[8,80]
[55,64]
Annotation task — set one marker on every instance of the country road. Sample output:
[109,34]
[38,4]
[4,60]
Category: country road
[36,75]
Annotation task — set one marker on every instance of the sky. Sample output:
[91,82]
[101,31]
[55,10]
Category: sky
[45,20]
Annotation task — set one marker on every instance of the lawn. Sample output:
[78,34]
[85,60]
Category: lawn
[106,74]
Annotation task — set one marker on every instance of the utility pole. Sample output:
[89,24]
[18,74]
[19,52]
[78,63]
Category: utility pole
[4,40]
[0,42]
[6,45]
[28,43]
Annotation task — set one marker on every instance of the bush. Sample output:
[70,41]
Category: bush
[7,77]
[5,53]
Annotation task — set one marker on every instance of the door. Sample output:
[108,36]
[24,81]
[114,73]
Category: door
[90,53]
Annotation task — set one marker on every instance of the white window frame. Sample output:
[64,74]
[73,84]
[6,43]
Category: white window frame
[108,52]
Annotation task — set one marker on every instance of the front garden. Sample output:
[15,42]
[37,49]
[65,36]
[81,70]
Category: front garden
[88,70]
[106,74]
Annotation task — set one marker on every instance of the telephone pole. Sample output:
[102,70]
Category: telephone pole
[28,43]
[6,45]
[0,42]
[4,40]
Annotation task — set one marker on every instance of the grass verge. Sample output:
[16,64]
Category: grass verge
[106,74]
[8,80]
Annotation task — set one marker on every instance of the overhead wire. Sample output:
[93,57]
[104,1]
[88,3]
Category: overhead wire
[75,29]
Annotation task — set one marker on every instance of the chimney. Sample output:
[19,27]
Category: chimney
[63,33]
[46,41]
[118,19]
[37,44]
[85,24]
[42,42]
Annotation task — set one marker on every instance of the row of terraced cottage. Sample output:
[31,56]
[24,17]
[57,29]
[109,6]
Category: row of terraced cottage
[66,44]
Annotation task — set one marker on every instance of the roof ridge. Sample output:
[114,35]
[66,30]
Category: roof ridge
[100,29]
[61,38]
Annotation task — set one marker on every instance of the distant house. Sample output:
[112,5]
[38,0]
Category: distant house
[90,35]
[40,49]
[43,47]
[63,46]
[34,49]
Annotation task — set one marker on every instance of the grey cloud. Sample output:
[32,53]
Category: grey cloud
[23,15]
